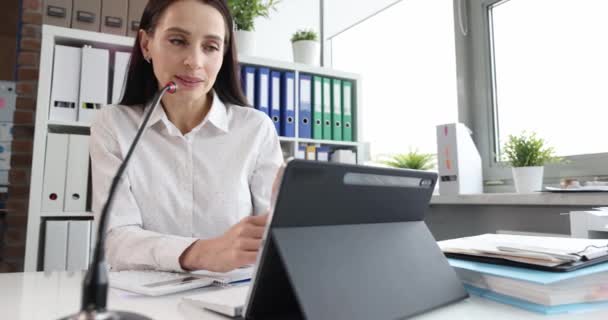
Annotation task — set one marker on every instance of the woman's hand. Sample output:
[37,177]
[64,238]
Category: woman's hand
[236,248]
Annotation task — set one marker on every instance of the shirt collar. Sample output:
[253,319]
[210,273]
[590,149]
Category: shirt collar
[217,116]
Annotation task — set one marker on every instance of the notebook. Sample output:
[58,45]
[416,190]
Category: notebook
[156,283]
[227,301]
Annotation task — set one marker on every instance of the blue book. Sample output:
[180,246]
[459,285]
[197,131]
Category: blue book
[248,83]
[304,113]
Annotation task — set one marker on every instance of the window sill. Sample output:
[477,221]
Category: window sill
[524,199]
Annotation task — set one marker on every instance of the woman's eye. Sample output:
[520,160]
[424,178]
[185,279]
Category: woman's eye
[177,42]
[211,48]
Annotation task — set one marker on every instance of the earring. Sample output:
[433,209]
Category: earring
[147,59]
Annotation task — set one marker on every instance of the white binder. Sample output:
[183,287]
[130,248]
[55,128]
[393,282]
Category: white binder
[93,82]
[79,238]
[55,161]
[5,155]
[77,173]
[55,245]
[121,63]
[65,84]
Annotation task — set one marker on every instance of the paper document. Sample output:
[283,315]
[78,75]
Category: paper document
[578,189]
[544,251]
[236,275]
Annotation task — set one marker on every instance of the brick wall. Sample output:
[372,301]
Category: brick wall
[28,57]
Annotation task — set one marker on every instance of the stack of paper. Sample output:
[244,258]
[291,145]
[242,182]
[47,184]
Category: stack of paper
[534,290]
[541,291]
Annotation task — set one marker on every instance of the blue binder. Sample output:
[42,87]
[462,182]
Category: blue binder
[248,83]
[275,99]
[288,102]
[304,125]
[262,89]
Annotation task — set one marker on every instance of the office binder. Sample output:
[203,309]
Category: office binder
[114,17]
[55,245]
[121,65]
[77,173]
[65,85]
[336,108]
[8,98]
[79,244]
[347,115]
[301,153]
[248,83]
[311,153]
[6,131]
[93,82]
[262,101]
[86,15]
[288,101]
[327,126]
[136,10]
[304,126]
[5,155]
[275,100]
[317,107]
[323,153]
[57,13]
[55,162]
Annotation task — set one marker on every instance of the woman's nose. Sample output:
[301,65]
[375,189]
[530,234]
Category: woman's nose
[195,60]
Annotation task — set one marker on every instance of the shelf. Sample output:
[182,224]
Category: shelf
[287,65]
[329,142]
[66,214]
[524,199]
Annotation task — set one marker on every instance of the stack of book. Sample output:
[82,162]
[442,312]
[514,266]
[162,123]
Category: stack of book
[548,283]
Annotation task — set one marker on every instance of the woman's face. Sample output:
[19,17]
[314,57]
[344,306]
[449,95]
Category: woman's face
[187,47]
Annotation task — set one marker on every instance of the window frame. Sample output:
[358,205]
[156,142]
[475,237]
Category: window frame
[476,98]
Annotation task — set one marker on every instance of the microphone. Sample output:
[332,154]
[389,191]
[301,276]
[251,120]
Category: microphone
[95,283]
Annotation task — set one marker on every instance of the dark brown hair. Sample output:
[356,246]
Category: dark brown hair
[141,83]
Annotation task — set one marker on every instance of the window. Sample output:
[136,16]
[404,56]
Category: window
[406,59]
[551,72]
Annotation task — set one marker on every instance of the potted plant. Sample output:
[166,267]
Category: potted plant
[305,46]
[527,154]
[411,160]
[244,13]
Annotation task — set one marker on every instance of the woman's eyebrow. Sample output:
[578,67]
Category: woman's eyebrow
[186,32]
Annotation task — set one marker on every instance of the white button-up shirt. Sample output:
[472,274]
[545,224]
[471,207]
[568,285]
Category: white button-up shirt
[179,188]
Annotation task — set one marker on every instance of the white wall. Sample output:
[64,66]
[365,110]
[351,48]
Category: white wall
[273,34]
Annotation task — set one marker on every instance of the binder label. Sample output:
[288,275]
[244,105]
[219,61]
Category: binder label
[305,94]
[290,95]
[326,96]
[337,99]
[318,107]
[347,98]
[264,91]
[250,92]
[276,94]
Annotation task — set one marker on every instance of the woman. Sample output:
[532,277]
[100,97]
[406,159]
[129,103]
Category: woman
[197,189]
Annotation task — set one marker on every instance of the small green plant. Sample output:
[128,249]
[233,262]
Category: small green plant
[304,34]
[411,160]
[527,150]
[244,12]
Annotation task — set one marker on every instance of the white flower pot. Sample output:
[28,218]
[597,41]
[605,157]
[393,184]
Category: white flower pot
[245,42]
[528,179]
[306,51]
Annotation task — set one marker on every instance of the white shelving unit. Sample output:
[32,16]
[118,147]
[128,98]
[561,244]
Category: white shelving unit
[52,35]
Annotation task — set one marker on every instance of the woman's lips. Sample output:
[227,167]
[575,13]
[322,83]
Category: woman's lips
[189,82]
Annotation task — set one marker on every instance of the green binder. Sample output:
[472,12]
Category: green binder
[336,110]
[317,107]
[327,109]
[347,108]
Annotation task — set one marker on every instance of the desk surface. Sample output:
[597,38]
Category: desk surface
[38,295]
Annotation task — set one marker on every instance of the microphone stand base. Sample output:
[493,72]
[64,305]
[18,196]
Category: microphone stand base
[106,315]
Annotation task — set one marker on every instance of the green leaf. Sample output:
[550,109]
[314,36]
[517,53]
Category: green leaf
[527,150]
[304,34]
[244,12]
[411,160]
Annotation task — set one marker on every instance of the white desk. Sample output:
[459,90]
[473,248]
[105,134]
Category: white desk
[36,295]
